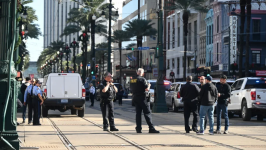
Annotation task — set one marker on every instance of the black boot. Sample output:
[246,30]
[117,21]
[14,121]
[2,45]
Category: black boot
[153,131]
[113,129]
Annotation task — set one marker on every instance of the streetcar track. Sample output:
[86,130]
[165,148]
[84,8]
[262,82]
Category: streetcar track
[119,136]
[61,135]
[176,131]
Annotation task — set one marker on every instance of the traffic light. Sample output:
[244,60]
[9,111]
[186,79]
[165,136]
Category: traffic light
[92,72]
[132,49]
[96,69]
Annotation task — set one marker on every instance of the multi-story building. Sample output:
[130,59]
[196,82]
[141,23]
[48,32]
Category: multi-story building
[148,61]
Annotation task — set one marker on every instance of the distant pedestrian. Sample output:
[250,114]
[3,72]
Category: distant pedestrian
[189,93]
[138,86]
[92,93]
[87,87]
[37,102]
[107,92]
[202,82]
[224,91]
[208,96]
[27,96]
[120,94]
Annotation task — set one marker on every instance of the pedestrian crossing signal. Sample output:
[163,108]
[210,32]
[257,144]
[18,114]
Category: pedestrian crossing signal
[132,49]
[92,72]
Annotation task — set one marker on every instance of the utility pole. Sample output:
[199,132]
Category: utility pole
[159,103]
[109,37]
[93,18]
[139,53]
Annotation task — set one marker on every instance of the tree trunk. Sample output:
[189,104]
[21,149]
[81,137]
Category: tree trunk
[120,67]
[185,21]
[242,27]
[247,37]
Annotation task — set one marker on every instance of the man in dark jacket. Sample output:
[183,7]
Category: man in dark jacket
[189,93]
[224,91]
[22,90]
[208,96]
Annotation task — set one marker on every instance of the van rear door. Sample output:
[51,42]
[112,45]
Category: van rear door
[72,87]
[57,87]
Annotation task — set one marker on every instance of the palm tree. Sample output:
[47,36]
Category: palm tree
[186,6]
[242,26]
[247,37]
[140,28]
[100,54]
[119,37]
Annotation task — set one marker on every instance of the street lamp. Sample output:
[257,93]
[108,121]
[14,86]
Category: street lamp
[93,18]
[74,45]
[116,15]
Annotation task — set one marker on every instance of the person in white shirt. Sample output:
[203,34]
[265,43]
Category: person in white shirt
[92,93]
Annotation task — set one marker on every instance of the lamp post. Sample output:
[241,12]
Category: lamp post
[74,45]
[93,62]
[159,103]
[110,6]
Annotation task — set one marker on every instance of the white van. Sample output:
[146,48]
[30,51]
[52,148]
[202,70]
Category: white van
[63,91]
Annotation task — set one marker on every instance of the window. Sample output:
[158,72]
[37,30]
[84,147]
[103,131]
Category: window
[217,24]
[168,62]
[256,57]
[217,50]
[173,36]
[209,36]
[212,34]
[173,63]
[189,36]
[255,83]
[256,29]
[178,37]
[195,33]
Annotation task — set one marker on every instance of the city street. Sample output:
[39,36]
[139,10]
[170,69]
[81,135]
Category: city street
[64,131]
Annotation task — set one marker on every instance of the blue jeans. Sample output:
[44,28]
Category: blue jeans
[223,108]
[203,111]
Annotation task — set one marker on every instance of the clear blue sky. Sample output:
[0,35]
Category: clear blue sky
[35,46]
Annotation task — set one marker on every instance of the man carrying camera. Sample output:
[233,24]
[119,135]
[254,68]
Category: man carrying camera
[224,91]
[107,92]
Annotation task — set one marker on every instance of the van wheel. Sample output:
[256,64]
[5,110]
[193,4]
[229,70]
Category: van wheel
[174,108]
[260,117]
[73,111]
[81,112]
[44,111]
[246,113]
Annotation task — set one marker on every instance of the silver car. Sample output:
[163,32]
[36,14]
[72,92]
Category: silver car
[173,99]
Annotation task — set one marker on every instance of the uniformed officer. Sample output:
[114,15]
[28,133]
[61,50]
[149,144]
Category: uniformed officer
[138,86]
[28,97]
[37,102]
[107,92]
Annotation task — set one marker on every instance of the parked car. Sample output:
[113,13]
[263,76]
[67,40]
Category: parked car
[63,91]
[125,94]
[248,98]
[173,99]
[150,94]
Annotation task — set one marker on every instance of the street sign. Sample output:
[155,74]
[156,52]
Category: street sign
[88,65]
[93,77]
[143,48]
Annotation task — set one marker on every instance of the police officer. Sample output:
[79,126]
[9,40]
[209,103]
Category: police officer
[107,92]
[138,86]
[28,95]
[37,102]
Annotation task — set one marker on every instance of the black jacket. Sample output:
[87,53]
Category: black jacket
[208,94]
[189,92]
[109,94]
[138,86]
[225,91]
[23,89]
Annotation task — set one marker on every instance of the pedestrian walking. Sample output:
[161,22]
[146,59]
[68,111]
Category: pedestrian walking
[138,86]
[92,93]
[202,82]
[107,93]
[189,93]
[27,96]
[208,96]
[120,94]
[224,91]
[87,87]
[37,102]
